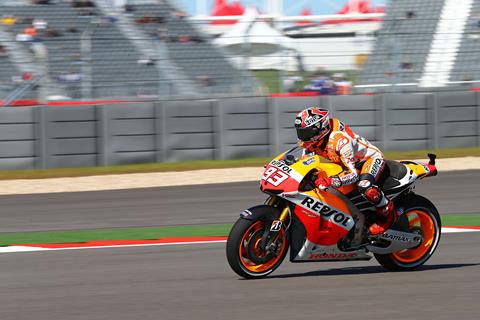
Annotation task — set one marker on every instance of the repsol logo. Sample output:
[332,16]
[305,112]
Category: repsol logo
[326,211]
[281,165]
[376,166]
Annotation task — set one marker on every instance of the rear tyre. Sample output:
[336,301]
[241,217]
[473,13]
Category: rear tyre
[244,253]
[421,217]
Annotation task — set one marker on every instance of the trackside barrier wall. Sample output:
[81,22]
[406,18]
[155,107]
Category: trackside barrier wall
[164,131]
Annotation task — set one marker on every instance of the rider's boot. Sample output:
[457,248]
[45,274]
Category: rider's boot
[386,217]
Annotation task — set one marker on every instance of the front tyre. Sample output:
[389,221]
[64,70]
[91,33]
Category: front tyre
[422,217]
[244,248]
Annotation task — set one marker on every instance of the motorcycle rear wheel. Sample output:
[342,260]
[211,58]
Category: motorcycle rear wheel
[244,253]
[423,218]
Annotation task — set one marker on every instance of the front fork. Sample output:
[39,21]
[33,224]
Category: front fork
[271,234]
[284,215]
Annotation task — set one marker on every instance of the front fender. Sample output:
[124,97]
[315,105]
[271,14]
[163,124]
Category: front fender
[260,212]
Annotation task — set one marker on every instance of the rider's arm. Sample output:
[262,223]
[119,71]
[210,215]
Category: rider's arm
[344,148]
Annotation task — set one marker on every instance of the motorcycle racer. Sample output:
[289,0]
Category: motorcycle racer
[334,140]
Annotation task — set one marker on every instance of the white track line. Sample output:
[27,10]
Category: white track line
[13,249]
[458,230]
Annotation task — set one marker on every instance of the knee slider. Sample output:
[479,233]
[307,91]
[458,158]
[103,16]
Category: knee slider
[366,181]
[373,194]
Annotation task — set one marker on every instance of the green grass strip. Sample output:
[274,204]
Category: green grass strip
[461,220]
[162,232]
[205,164]
[113,234]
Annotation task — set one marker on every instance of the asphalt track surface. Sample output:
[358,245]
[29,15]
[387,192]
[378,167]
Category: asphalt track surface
[451,192]
[195,281]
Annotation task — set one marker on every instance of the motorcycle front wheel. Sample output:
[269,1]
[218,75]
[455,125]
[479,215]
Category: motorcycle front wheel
[245,248]
[422,217]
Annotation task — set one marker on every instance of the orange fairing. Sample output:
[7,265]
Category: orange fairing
[320,224]
[333,200]
[422,170]
[282,177]
[325,216]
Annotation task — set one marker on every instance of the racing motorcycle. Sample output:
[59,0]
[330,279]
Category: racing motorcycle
[330,224]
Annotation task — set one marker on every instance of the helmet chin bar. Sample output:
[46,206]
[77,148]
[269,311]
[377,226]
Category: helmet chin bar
[310,145]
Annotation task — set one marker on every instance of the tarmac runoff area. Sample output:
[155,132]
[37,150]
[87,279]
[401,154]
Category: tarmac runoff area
[171,179]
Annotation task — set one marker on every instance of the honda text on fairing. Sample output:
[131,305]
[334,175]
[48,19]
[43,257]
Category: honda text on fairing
[330,224]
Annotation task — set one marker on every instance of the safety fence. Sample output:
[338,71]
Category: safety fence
[164,131]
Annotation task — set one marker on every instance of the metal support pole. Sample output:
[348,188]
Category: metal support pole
[103,149]
[477,100]
[41,154]
[160,131]
[165,149]
[219,130]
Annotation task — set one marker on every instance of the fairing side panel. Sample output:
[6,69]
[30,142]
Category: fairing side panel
[325,217]
[420,169]
[302,250]
[297,236]
[314,252]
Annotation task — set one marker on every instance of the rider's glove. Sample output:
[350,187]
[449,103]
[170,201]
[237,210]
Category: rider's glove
[328,182]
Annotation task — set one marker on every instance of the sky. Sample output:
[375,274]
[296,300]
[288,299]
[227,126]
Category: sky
[291,7]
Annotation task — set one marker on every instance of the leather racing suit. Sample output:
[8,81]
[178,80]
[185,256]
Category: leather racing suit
[346,148]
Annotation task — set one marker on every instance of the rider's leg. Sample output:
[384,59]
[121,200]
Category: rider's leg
[370,172]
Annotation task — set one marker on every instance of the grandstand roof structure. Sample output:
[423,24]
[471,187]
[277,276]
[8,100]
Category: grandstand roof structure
[255,34]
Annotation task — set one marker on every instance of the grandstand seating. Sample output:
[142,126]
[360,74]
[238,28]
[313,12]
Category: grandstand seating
[403,42]
[116,65]
[467,66]
[189,49]
[7,73]
[110,50]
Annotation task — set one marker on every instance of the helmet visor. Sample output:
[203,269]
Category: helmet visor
[307,134]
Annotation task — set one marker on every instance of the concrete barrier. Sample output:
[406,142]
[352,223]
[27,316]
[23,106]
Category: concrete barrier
[71,136]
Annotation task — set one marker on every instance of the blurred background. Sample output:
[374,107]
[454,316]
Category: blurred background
[223,79]
[104,49]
